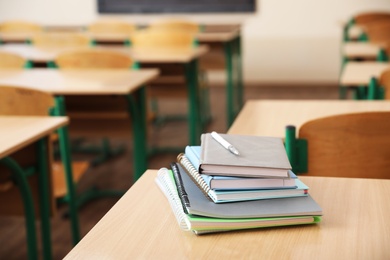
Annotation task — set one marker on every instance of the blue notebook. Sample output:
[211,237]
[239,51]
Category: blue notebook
[238,183]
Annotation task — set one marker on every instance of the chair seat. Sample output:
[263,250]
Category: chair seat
[59,183]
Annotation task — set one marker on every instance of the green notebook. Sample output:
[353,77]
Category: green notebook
[204,216]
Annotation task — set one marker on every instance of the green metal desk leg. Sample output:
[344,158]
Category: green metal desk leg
[373,89]
[28,204]
[63,135]
[44,195]
[229,84]
[194,123]
[240,80]
[137,110]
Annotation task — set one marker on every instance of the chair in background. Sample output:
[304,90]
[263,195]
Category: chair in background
[165,39]
[170,24]
[363,19]
[13,61]
[98,108]
[112,27]
[18,101]
[349,145]
[60,40]
[19,27]
[384,82]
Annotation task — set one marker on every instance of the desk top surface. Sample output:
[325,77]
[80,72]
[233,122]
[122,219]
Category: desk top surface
[19,131]
[79,82]
[361,50]
[270,117]
[360,73]
[37,54]
[206,36]
[141,225]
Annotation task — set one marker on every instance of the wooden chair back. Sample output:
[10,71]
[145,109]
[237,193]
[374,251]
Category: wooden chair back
[11,61]
[349,145]
[58,40]
[20,27]
[156,40]
[17,101]
[94,59]
[175,25]
[384,81]
[367,17]
[112,26]
[378,31]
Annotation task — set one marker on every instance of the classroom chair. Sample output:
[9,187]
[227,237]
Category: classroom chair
[349,145]
[65,173]
[110,27]
[60,40]
[20,27]
[13,61]
[363,19]
[384,83]
[170,83]
[97,108]
[175,24]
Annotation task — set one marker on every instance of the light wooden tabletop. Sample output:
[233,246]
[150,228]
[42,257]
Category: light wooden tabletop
[141,225]
[364,50]
[270,117]
[79,82]
[19,131]
[42,55]
[359,73]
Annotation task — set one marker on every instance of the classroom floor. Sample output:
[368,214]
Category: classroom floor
[117,173]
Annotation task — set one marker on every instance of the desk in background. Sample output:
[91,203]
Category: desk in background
[227,36]
[361,50]
[141,225]
[17,133]
[128,84]
[187,58]
[270,118]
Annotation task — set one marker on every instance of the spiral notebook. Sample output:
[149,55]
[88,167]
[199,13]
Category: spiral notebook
[203,216]
[226,196]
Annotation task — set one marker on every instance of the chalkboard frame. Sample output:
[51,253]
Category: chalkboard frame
[176,6]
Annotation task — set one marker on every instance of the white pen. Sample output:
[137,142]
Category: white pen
[224,143]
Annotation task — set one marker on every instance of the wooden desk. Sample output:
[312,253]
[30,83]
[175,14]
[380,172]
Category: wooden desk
[360,73]
[126,83]
[270,117]
[17,133]
[141,225]
[361,50]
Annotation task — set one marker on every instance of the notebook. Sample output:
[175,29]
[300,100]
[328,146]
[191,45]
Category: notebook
[204,216]
[225,196]
[260,156]
[238,183]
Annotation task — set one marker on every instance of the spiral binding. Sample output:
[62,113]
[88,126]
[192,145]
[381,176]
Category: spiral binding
[193,172]
[169,189]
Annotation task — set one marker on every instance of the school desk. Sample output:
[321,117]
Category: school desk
[270,117]
[360,73]
[361,50]
[16,133]
[141,225]
[128,84]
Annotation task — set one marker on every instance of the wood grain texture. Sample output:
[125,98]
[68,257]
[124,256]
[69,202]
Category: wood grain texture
[142,226]
[11,60]
[350,145]
[270,117]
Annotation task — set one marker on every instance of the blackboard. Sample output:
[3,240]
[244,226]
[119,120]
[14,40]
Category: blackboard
[176,6]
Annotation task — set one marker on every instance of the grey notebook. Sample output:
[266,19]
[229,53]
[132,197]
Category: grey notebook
[202,206]
[260,156]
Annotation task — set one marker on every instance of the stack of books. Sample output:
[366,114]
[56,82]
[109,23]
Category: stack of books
[241,182]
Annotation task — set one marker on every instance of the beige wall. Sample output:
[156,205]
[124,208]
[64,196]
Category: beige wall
[285,42]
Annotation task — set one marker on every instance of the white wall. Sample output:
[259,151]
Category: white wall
[286,41]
